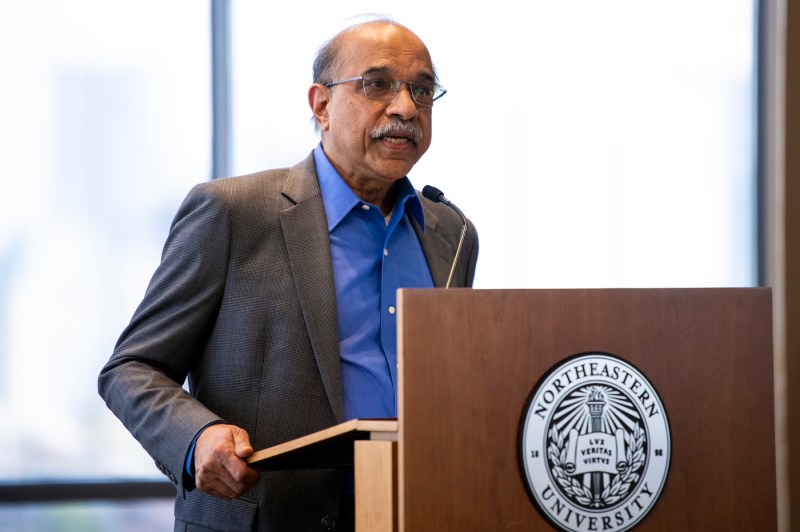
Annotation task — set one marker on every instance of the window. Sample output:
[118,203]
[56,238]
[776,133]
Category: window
[106,124]
[615,147]
[594,144]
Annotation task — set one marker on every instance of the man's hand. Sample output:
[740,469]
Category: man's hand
[219,468]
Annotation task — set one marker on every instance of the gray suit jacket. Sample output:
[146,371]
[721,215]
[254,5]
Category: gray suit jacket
[243,303]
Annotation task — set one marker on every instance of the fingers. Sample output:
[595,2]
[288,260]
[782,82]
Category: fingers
[241,440]
[219,468]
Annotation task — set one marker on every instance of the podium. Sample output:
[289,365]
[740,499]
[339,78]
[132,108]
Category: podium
[470,362]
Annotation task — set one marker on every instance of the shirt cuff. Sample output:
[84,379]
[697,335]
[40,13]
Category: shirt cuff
[190,455]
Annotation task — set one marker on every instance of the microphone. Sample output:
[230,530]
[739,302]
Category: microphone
[436,195]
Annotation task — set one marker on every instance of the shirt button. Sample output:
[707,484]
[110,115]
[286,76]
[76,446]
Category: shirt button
[365,206]
[328,522]
[391,310]
[385,252]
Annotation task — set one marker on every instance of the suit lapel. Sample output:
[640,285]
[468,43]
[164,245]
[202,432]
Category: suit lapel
[305,230]
[438,251]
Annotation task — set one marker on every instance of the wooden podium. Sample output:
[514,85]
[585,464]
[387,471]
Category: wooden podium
[470,359]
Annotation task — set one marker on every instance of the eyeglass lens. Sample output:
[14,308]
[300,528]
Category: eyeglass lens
[380,88]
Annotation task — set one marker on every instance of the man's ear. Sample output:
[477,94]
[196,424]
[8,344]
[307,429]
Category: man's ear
[318,99]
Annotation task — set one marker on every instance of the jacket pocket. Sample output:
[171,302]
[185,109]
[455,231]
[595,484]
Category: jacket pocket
[204,512]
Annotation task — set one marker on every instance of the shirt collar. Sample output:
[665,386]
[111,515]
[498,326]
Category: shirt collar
[339,199]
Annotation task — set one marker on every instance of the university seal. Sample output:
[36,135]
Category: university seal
[595,444]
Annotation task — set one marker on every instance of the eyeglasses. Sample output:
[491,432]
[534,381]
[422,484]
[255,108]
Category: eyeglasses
[423,93]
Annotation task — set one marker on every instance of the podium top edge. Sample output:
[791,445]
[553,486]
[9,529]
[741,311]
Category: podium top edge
[347,429]
[600,289]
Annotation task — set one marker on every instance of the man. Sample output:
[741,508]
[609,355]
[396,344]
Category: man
[276,296]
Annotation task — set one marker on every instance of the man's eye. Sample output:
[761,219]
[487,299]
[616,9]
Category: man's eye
[424,91]
[378,83]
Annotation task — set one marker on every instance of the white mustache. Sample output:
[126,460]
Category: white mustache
[398,126]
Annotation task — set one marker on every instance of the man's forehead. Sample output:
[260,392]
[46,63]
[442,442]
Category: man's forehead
[386,48]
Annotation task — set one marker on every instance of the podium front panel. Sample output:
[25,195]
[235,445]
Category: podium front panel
[470,359]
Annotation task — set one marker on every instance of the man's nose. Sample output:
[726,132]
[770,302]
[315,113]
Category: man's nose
[402,104]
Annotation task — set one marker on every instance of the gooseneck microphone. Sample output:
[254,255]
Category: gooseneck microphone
[434,194]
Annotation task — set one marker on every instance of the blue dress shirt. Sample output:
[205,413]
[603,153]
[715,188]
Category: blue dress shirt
[372,257]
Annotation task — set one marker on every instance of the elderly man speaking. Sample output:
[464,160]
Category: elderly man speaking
[275,297]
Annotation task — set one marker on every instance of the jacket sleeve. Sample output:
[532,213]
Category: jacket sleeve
[142,381]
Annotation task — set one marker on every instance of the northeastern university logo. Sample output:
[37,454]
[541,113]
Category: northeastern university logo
[595,444]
